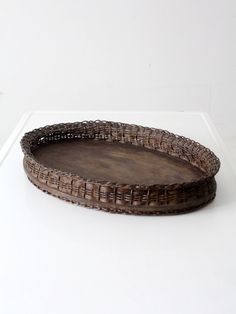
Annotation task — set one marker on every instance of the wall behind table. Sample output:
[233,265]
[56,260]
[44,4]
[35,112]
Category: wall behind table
[126,54]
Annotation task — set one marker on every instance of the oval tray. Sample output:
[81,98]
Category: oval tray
[120,168]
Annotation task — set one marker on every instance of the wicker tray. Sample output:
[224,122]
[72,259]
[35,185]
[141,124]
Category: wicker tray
[120,168]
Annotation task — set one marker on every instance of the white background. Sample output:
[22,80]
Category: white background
[124,54]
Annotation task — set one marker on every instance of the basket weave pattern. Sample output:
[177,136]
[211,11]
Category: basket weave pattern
[118,197]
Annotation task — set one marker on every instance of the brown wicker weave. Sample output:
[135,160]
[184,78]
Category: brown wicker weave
[120,197]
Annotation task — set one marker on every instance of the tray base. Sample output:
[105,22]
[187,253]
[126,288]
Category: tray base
[116,162]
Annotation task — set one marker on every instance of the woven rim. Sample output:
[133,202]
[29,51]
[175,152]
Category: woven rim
[152,138]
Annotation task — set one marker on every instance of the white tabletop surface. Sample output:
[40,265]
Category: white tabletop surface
[56,257]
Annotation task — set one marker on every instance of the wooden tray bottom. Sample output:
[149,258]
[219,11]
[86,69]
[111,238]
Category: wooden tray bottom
[116,162]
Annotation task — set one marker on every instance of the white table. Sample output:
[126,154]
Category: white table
[61,258]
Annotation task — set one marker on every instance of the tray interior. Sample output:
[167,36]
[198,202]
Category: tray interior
[116,162]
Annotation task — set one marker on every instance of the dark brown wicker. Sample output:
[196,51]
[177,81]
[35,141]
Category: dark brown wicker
[137,198]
